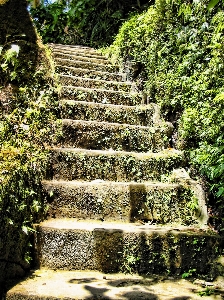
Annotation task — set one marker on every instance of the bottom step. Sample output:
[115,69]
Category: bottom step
[52,285]
[113,247]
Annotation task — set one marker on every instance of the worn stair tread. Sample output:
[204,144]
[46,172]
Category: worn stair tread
[75,285]
[91,53]
[123,93]
[81,57]
[97,82]
[99,95]
[69,46]
[86,64]
[78,164]
[113,124]
[100,182]
[105,135]
[106,246]
[91,225]
[144,115]
[75,48]
[154,202]
[166,153]
[91,73]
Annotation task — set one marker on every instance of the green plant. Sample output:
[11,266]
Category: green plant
[189,273]
[178,48]
[207,292]
[82,21]
[27,125]
[9,61]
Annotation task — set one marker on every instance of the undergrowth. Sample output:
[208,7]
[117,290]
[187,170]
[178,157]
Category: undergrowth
[178,50]
[28,110]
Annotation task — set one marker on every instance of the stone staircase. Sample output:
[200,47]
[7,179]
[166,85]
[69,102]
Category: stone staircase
[119,201]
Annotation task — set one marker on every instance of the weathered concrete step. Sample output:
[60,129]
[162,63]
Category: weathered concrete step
[86,65]
[87,52]
[75,49]
[113,246]
[82,164]
[156,202]
[101,96]
[144,115]
[75,285]
[81,57]
[87,73]
[96,83]
[104,136]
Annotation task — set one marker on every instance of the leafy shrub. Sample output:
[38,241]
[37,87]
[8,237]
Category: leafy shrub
[179,47]
[88,22]
[28,104]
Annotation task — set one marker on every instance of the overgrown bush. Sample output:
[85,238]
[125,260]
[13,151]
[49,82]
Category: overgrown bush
[28,109]
[86,22]
[179,48]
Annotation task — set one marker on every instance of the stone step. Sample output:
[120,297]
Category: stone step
[146,115]
[71,244]
[81,164]
[87,73]
[105,136]
[91,53]
[81,57]
[86,65]
[75,49]
[75,285]
[153,202]
[96,83]
[101,96]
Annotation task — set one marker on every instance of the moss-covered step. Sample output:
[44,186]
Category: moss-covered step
[104,136]
[101,95]
[87,73]
[86,65]
[82,164]
[117,247]
[96,83]
[158,203]
[144,115]
[80,57]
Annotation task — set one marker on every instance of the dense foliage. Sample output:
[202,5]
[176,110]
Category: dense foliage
[88,22]
[178,48]
[27,116]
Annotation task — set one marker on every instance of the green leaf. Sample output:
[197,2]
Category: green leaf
[220,191]
[212,3]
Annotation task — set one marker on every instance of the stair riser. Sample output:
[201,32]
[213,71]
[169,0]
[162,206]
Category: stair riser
[120,202]
[89,166]
[105,136]
[90,73]
[90,83]
[115,250]
[105,113]
[101,96]
[86,65]
[80,57]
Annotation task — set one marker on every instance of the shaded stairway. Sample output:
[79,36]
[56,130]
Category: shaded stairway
[115,202]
